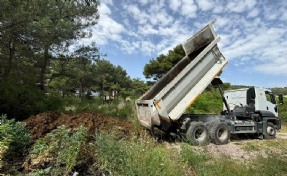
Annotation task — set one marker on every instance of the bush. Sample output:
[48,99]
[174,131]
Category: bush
[61,147]
[14,137]
[139,157]
[283,110]
[20,101]
[209,102]
[116,108]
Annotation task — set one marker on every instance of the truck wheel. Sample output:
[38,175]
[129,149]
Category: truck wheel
[219,133]
[197,134]
[270,131]
[210,123]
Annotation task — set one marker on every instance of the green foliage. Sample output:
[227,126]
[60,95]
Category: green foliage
[191,157]
[117,108]
[206,165]
[279,90]
[14,137]
[110,77]
[41,172]
[37,31]
[156,68]
[140,157]
[138,88]
[62,146]
[100,76]
[21,101]
[209,102]
[272,165]
[283,110]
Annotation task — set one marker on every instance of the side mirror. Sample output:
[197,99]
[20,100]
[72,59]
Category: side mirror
[281,99]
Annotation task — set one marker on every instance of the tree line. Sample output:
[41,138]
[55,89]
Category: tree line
[36,58]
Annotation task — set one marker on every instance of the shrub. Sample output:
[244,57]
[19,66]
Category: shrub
[283,110]
[60,147]
[14,137]
[209,102]
[116,108]
[20,101]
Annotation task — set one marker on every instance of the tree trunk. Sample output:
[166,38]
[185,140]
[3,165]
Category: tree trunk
[81,90]
[44,68]
[8,68]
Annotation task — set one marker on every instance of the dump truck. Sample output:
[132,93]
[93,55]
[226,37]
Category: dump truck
[246,111]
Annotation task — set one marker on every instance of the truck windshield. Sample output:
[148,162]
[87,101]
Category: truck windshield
[270,97]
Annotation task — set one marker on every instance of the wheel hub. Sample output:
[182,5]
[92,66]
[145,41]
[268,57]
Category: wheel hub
[270,131]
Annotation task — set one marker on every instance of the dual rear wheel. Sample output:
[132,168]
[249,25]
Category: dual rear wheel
[199,133]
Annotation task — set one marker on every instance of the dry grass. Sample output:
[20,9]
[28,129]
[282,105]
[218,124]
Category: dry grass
[284,128]
[277,146]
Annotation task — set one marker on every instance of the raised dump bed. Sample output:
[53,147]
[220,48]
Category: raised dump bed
[168,99]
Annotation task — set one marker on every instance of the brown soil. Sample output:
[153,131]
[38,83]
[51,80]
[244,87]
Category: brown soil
[41,124]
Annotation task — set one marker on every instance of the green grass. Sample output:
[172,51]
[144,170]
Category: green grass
[205,165]
[284,127]
[60,148]
[117,108]
[137,157]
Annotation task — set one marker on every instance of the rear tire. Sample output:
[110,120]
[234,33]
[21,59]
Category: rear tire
[210,123]
[219,133]
[270,131]
[197,134]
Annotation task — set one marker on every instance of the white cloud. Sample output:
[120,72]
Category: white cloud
[107,28]
[175,4]
[188,9]
[264,50]
[104,9]
[272,68]
[108,2]
[253,13]
[143,2]
[138,15]
[205,4]
[253,34]
[240,5]
[147,30]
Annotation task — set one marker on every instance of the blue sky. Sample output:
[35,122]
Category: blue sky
[253,35]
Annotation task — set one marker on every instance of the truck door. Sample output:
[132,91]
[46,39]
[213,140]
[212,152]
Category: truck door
[271,102]
[265,101]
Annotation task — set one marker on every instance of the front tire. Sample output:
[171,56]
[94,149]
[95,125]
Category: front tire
[270,131]
[219,133]
[197,134]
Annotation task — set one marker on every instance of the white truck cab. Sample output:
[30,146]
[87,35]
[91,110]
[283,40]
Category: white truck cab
[263,100]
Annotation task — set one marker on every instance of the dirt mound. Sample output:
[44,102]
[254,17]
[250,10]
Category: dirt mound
[43,123]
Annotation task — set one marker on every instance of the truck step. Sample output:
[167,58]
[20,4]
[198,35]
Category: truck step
[244,123]
[241,132]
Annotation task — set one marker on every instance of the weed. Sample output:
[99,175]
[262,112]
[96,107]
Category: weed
[191,157]
[61,147]
[117,108]
[272,165]
[14,137]
[140,157]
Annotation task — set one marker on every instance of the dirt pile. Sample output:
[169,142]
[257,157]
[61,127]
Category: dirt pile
[43,123]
